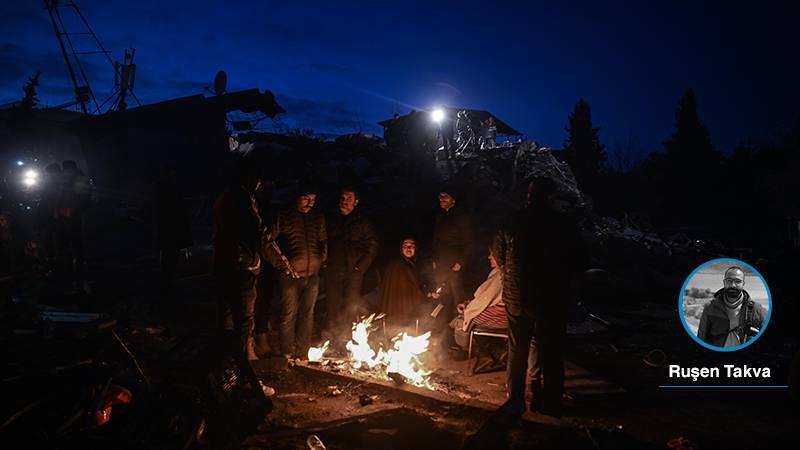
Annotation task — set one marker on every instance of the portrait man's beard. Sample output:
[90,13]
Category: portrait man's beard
[732,292]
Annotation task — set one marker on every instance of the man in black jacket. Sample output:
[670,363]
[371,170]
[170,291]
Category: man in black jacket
[353,246]
[298,248]
[452,241]
[732,317]
[237,241]
[539,250]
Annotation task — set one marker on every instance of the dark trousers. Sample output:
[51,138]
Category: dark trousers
[520,340]
[236,297]
[296,318]
[453,294]
[536,348]
[546,362]
[343,290]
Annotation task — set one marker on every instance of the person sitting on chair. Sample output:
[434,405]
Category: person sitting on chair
[486,308]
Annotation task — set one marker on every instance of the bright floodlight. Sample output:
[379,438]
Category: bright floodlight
[437,115]
[31,174]
[20,163]
[29,182]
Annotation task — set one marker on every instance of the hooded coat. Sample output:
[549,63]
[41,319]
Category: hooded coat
[714,323]
[401,295]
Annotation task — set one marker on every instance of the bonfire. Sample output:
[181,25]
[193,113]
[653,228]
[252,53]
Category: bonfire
[401,362]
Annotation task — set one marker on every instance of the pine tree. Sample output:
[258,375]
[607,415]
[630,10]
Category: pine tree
[582,149]
[30,100]
[691,139]
[693,166]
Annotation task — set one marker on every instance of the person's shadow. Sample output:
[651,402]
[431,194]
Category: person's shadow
[492,434]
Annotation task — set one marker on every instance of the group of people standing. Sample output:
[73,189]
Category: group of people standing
[532,258]
[295,245]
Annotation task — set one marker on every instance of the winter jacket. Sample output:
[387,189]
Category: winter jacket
[715,325]
[352,242]
[301,238]
[452,237]
[539,250]
[237,231]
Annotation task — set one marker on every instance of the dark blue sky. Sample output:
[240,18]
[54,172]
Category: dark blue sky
[341,68]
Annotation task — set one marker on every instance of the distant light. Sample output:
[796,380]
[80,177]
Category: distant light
[20,163]
[437,115]
[30,178]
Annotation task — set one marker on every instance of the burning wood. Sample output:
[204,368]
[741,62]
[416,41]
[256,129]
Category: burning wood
[401,362]
[315,353]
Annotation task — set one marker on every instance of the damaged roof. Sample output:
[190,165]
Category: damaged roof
[476,115]
[250,100]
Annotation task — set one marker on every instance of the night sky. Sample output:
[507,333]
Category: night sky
[341,68]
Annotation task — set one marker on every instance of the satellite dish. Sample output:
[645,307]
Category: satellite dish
[220,82]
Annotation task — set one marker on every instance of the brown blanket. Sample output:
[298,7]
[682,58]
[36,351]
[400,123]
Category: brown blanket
[400,291]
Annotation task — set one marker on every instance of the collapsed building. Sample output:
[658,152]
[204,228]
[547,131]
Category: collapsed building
[454,130]
[122,150]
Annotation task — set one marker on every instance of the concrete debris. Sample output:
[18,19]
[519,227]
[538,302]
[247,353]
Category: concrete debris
[532,161]
[333,391]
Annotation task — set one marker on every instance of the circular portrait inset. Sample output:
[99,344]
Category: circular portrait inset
[725,304]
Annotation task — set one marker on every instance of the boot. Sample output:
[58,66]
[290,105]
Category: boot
[262,344]
[250,349]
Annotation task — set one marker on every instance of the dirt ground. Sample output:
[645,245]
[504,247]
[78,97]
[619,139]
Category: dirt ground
[616,402]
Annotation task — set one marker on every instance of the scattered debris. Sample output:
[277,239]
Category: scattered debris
[267,390]
[315,443]
[365,399]
[680,443]
[333,391]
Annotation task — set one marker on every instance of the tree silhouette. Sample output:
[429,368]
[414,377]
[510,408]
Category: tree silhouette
[691,140]
[692,167]
[30,100]
[582,149]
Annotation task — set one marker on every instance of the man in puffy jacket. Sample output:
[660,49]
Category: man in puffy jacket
[237,245]
[298,248]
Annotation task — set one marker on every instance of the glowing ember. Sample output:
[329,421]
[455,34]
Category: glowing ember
[315,353]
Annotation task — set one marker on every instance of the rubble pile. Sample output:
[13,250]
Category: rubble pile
[607,229]
[532,161]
